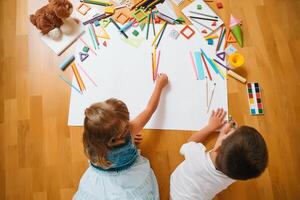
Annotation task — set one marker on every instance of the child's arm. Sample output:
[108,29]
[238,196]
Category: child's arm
[140,121]
[216,121]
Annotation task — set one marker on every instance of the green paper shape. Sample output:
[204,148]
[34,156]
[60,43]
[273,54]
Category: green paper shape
[237,33]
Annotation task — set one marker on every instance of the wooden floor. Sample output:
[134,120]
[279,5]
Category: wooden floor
[41,157]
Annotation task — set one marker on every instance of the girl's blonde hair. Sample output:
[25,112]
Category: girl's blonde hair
[105,125]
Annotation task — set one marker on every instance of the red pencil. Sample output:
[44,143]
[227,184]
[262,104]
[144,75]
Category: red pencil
[208,73]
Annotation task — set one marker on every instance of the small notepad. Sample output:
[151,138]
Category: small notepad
[59,46]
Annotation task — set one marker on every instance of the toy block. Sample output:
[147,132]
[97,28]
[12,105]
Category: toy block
[221,55]
[187,32]
[139,15]
[157,20]
[86,49]
[135,33]
[219,5]
[122,18]
[210,41]
[214,24]
[105,44]
[83,8]
[109,10]
[97,23]
[204,31]
[199,7]
[83,56]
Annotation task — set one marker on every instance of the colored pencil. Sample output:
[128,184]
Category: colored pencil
[159,32]
[211,96]
[194,66]
[201,24]
[206,83]
[153,23]
[93,40]
[221,64]
[152,67]
[205,64]
[154,61]
[220,70]
[162,33]
[222,27]
[148,23]
[69,83]
[202,18]
[118,27]
[97,2]
[86,74]
[210,62]
[97,18]
[87,45]
[78,77]
[221,39]
[157,64]
[206,15]
[94,35]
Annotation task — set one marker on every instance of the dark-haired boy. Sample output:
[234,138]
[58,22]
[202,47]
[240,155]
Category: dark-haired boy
[239,154]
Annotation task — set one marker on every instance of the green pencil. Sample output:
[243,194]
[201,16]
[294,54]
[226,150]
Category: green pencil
[96,2]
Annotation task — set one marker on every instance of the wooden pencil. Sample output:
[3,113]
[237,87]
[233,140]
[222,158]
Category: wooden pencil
[148,24]
[161,29]
[153,23]
[202,18]
[78,77]
[194,66]
[161,35]
[157,64]
[211,97]
[69,83]
[206,67]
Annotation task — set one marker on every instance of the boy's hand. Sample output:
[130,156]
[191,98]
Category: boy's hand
[161,80]
[217,119]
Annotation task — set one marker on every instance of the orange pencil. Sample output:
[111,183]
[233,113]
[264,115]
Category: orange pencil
[78,77]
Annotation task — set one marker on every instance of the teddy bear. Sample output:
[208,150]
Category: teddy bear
[49,18]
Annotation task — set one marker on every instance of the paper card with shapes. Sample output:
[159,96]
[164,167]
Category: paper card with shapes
[204,12]
[254,98]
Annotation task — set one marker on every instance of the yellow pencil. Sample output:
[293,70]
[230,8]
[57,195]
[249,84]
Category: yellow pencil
[159,32]
[152,67]
[78,77]
[211,37]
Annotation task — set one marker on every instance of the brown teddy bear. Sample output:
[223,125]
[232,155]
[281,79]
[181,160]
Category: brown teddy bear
[48,19]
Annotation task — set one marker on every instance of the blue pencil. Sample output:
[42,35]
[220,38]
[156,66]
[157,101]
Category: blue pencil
[69,83]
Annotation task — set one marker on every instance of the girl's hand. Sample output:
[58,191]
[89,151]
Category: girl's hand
[217,119]
[137,138]
[161,80]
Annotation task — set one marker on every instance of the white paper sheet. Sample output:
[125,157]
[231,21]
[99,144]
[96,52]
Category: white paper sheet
[125,72]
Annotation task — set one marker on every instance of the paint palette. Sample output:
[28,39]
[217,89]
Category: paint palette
[254,97]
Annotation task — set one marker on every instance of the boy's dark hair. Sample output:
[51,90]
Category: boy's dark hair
[243,154]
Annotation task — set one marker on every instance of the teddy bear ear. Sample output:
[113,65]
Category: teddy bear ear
[33,19]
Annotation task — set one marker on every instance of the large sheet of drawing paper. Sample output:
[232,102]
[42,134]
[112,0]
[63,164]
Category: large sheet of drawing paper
[125,72]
